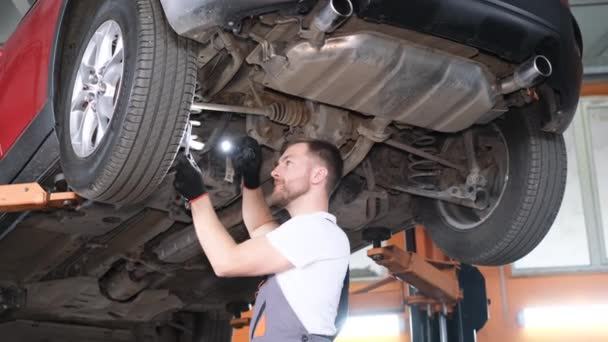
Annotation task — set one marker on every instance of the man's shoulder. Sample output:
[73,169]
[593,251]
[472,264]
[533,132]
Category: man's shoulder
[321,220]
[322,225]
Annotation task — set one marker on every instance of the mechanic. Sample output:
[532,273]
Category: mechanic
[306,258]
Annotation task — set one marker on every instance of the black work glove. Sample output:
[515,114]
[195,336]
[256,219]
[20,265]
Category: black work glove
[188,178]
[247,160]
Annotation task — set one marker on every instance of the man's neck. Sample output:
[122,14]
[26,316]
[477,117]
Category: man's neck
[308,204]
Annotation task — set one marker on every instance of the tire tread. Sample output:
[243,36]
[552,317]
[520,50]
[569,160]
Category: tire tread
[157,113]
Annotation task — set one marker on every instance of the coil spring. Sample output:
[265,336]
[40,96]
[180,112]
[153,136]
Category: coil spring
[423,172]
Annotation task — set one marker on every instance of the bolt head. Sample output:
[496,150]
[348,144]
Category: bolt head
[93,78]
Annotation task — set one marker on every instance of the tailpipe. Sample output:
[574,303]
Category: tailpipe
[528,74]
[333,14]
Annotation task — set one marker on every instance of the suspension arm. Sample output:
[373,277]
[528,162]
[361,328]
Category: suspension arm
[425,155]
[441,195]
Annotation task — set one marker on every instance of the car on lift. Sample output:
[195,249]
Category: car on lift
[448,113]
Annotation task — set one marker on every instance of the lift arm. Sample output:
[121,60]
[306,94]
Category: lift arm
[31,196]
[435,280]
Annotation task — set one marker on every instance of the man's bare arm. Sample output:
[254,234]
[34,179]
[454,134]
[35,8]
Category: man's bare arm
[254,257]
[256,213]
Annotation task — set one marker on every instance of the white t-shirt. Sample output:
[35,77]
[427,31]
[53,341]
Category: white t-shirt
[320,252]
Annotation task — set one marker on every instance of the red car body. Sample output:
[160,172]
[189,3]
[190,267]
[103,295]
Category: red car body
[26,82]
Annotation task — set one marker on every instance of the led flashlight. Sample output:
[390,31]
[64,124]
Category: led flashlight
[226,146]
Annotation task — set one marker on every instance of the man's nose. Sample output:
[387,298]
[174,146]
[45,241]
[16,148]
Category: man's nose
[275,173]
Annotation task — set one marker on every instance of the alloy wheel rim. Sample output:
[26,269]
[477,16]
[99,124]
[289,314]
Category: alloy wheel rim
[96,88]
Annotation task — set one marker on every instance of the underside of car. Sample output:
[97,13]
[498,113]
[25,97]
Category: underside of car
[448,114]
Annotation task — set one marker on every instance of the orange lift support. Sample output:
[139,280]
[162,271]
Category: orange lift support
[439,310]
[31,196]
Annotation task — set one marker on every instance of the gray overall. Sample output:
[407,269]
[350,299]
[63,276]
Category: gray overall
[281,322]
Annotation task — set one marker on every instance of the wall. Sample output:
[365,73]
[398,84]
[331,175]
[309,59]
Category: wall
[522,292]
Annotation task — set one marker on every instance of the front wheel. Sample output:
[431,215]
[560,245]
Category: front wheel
[124,99]
[525,170]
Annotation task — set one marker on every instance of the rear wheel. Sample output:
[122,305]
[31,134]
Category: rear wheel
[525,171]
[124,104]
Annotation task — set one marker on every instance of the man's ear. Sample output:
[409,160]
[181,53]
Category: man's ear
[319,174]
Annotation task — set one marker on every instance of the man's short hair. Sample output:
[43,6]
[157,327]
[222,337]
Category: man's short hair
[329,154]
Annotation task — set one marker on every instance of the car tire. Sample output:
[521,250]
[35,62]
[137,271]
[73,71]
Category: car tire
[532,195]
[151,101]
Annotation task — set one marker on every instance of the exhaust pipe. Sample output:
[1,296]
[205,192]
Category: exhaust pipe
[333,14]
[527,75]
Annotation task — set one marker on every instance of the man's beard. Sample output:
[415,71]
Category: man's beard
[281,197]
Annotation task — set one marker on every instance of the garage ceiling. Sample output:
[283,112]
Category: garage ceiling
[592,17]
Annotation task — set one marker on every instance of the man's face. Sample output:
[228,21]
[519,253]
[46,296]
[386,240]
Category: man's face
[292,175]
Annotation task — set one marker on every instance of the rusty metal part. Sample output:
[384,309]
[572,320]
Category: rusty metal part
[364,144]
[357,213]
[195,18]
[291,113]
[416,151]
[437,283]
[455,194]
[422,172]
[228,108]
[216,78]
[329,123]
[31,196]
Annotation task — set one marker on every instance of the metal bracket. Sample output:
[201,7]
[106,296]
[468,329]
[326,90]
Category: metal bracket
[456,194]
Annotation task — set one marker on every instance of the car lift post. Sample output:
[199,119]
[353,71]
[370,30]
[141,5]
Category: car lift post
[31,196]
[437,287]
